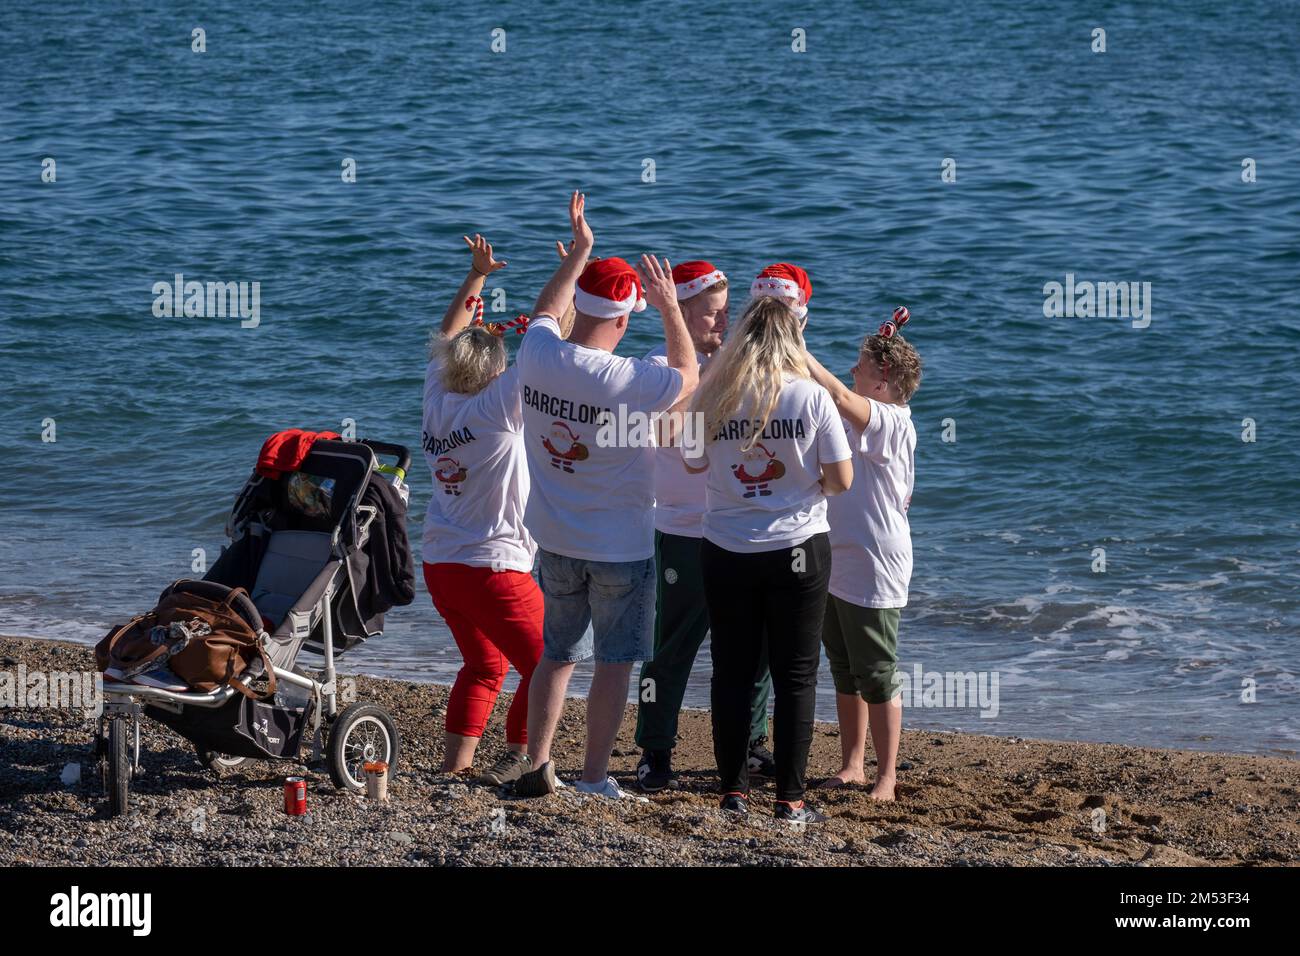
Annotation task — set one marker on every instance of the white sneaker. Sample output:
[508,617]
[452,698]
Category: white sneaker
[607,789]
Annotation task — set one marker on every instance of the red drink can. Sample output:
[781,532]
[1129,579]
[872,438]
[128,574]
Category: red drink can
[295,796]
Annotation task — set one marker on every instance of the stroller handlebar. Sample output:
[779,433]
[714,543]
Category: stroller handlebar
[400,452]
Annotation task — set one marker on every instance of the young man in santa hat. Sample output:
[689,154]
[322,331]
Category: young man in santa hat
[681,615]
[594,520]
[787,282]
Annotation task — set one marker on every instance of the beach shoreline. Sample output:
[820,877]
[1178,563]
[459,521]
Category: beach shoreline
[967,800]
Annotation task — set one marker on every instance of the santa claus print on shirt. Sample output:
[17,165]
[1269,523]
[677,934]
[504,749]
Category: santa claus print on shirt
[759,467]
[451,474]
[564,447]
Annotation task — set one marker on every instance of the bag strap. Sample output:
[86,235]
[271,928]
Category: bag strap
[247,691]
[228,602]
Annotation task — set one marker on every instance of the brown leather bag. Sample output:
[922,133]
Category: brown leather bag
[207,661]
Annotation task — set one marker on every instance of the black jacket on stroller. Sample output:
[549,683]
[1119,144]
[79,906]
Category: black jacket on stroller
[389,576]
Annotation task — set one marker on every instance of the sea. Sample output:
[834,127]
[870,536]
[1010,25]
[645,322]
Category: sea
[1106,518]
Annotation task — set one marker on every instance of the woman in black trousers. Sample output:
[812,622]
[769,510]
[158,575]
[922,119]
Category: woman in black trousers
[774,447]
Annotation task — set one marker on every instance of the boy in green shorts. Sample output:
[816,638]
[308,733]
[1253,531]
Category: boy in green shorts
[871,552]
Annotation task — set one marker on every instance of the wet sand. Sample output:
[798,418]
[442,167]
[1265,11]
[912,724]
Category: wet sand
[967,800]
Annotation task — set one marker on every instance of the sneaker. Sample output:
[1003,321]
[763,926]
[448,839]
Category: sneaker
[761,761]
[508,769]
[609,788]
[162,677]
[734,803]
[798,812]
[655,771]
[537,783]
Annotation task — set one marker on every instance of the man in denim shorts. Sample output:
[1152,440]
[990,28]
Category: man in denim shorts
[591,505]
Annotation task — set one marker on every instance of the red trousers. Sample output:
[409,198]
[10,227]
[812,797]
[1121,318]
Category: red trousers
[496,620]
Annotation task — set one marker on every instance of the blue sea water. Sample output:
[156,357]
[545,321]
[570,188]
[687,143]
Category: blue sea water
[1072,434]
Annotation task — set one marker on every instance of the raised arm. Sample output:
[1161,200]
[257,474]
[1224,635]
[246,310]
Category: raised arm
[558,293]
[661,292]
[481,266]
[853,408]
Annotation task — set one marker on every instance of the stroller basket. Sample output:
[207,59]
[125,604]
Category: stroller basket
[241,727]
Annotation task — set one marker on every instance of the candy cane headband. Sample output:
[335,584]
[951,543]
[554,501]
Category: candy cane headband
[475,304]
[891,325]
[889,328]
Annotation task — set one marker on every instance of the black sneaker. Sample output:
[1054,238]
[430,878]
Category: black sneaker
[798,812]
[508,769]
[761,761]
[734,803]
[654,772]
[537,783]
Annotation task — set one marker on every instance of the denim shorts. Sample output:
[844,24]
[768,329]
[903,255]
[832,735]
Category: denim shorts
[617,599]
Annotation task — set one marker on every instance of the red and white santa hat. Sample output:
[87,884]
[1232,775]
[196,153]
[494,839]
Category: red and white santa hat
[608,288]
[784,280]
[692,278]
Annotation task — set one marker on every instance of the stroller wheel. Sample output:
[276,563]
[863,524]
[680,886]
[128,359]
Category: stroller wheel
[219,763]
[361,733]
[117,766]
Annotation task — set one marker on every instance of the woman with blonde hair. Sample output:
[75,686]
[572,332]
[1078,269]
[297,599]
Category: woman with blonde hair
[774,448]
[478,556]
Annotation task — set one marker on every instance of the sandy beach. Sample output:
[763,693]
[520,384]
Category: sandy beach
[966,800]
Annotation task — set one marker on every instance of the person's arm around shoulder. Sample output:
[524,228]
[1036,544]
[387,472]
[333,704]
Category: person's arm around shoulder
[661,292]
[458,314]
[852,407]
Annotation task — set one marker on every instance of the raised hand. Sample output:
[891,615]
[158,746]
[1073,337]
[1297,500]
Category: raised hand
[583,239]
[657,282]
[484,264]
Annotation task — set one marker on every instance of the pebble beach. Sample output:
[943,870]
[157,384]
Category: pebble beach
[966,800]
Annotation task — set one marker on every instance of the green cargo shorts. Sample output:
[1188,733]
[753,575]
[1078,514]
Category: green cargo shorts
[862,647]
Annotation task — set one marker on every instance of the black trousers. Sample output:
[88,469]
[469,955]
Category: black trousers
[780,595]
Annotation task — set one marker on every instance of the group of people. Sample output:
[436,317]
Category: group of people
[768,509]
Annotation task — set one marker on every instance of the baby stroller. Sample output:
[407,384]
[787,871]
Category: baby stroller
[301,548]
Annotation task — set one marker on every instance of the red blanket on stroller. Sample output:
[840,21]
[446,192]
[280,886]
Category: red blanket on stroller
[284,451]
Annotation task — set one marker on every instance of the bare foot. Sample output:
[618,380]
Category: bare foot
[883,789]
[845,778]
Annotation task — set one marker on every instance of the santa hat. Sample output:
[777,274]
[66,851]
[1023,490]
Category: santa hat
[784,281]
[607,289]
[692,278]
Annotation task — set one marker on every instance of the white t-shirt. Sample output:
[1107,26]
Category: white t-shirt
[590,500]
[871,542]
[770,496]
[474,446]
[679,495]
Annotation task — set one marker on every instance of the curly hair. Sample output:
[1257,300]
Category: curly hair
[897,360]
[471,359]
